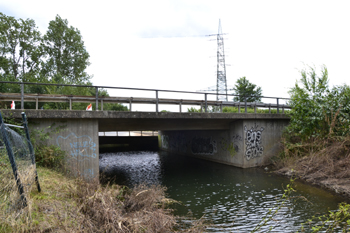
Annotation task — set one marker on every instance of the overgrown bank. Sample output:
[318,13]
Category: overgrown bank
[71,205]
[316,144]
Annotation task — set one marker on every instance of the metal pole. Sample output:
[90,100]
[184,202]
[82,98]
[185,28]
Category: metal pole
[278,108]
[180,105]
[70,103]
[255,108]
[36,103]
[101,104]
[12,161]
[157,101]
[22,96]
[245,104]
[31,149]
[96,99]
[130,104]
[206,103]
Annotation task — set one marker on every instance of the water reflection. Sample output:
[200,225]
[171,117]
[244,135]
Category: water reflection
[131,168]
[233,199]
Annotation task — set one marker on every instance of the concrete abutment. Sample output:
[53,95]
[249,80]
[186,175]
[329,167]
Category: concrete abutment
[78,138]
[247,143]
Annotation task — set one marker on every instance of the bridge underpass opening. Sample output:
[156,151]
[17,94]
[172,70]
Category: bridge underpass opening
[118,141]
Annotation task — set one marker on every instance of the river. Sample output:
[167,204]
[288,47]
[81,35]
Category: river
[232,199]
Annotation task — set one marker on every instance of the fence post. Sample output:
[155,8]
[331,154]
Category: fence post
[101,104]
[31,149]
[206,103]
[180,106]
[96,99]
[245,104]
[278,108]
[12,161]
[157,101]
[36,103]
[70,103]
[22,95]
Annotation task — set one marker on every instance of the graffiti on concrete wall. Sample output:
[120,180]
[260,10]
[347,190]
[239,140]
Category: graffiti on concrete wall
[233,146]
[253,142]
[203,146]
[175,142]
[225,145]
[79,146]
[165,141]
[236,139]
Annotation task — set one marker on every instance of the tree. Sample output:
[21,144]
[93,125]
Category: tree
[20,51]
[243,88]
[66,56]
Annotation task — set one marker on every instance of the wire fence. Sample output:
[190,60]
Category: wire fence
[17,167]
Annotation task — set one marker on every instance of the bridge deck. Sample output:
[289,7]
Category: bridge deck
[119,121]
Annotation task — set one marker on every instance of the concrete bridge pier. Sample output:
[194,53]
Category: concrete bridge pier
[78,138]
[247,143]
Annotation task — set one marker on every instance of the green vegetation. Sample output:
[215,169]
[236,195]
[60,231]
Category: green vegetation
[57,57]
[316,143]
[243,88]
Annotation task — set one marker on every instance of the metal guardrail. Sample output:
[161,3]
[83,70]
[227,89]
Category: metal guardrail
[28,97]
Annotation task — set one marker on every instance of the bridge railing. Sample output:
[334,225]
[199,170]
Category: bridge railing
[203,101]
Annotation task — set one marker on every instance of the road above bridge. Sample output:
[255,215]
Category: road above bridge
[119,121]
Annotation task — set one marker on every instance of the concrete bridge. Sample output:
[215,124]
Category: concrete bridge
[238,139]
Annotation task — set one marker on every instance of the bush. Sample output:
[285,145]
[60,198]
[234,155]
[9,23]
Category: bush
[318,111]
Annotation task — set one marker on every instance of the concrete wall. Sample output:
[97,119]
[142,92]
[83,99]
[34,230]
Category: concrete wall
[79,138]
[248,143]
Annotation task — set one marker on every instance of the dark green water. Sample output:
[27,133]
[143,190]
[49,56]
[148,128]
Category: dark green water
[233,199]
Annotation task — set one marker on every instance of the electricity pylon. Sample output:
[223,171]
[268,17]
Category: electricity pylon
[221,83]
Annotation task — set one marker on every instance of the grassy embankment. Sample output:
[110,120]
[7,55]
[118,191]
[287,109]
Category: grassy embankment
[72,205]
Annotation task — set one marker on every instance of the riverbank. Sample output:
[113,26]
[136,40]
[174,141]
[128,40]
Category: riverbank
[328,167]
[71,205]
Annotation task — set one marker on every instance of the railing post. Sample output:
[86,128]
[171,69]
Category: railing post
[22,95]
[255,107]
[96,99]
[221,106]
[239,107]
[101,104]
[157,101]
[130,104]
[206,103]
[278,108]
[70,103]
[36,103]
[180,106]
[245,104]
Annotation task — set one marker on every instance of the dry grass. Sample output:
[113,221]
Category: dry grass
[322,162]
[71,205]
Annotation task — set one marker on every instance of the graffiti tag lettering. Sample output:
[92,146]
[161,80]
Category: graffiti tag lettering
[81,146]
[253,142]
[205,146]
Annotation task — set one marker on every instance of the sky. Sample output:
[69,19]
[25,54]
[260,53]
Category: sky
[163,44]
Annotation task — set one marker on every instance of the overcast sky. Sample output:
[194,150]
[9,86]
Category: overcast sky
[163,44]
